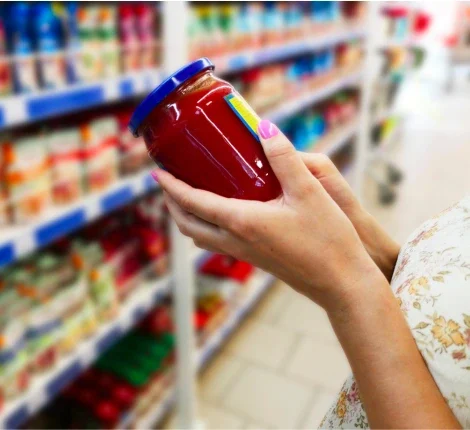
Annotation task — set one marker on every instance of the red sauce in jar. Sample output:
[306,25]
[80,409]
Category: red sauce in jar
[196,133]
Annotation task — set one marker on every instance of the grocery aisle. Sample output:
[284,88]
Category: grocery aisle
[283,366]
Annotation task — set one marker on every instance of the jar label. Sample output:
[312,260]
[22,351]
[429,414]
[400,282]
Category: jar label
[244,111]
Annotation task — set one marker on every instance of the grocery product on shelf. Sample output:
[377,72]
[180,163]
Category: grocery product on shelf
[51,58]
[308,128]
[133,154]
[66,165]
[5,71]
[100,155]
[26,176]
[147,28]
[223,125]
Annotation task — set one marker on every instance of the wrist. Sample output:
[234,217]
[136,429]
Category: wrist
[368,290]
[353,285]
[379,245]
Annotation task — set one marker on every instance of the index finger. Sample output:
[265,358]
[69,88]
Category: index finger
[208,206]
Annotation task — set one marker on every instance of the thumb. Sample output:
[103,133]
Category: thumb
[285,161]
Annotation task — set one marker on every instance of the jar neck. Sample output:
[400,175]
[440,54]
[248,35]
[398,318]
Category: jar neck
[195,82]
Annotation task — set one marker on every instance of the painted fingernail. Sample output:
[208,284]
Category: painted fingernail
[267,129]
[154,175]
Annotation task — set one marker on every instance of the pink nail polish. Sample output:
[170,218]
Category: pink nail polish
[267,129]
[154,175]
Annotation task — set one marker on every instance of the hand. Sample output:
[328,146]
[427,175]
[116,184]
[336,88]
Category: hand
[380,246]
[302,237]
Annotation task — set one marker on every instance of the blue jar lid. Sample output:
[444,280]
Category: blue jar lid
[165,88]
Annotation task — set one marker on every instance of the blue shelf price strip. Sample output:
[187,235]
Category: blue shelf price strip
[50,230]
[22,109]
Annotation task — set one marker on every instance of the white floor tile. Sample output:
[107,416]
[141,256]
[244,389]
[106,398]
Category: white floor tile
[276,300]
[261,343]
[217,377]
[318,409]
[303,316]
[269,398]
[321,364]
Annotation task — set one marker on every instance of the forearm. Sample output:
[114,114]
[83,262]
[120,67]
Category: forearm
[396,387]
[380,246]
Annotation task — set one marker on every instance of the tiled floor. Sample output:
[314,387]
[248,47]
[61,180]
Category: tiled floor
[283,366]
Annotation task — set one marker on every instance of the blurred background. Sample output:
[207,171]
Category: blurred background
[108,318]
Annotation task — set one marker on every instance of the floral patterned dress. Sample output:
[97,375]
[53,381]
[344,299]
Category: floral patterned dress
[432,284]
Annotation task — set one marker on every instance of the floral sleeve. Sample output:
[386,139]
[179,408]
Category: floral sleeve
[432,285]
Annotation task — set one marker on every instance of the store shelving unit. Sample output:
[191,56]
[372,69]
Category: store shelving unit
[294,106]
[252,58]
[16,242]
[256,288]
[58,222]
[46,386]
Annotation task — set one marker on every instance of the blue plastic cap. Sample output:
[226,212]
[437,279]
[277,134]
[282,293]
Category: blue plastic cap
[166,87]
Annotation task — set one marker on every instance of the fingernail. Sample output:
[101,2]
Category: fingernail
[153,173]
[267,129]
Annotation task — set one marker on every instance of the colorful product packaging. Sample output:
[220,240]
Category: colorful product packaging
[27,177]
[66,165]
[49,47]
[100,152]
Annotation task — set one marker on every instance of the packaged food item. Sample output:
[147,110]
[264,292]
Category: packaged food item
[91,65]
[273,23]
[128,38]
[249,26]
[213,119]
[133,154]
[213,43]
[100,153]
[196,34]
[14,374]
[229,26]
[5,70]
[27,177]
[66,165]
[21,46]
[145,24]
[89,259]
[108,40]
[68,13]
[49,46]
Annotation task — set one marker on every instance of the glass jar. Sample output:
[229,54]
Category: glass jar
[199,128]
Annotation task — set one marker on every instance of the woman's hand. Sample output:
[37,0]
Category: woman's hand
[380,246]
[303,237]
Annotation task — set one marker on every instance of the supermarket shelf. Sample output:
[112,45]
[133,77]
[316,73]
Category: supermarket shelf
[252,58]
[46,386]
[21,109]
[259,286]
[334,141]
[293,106]
[16,242]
